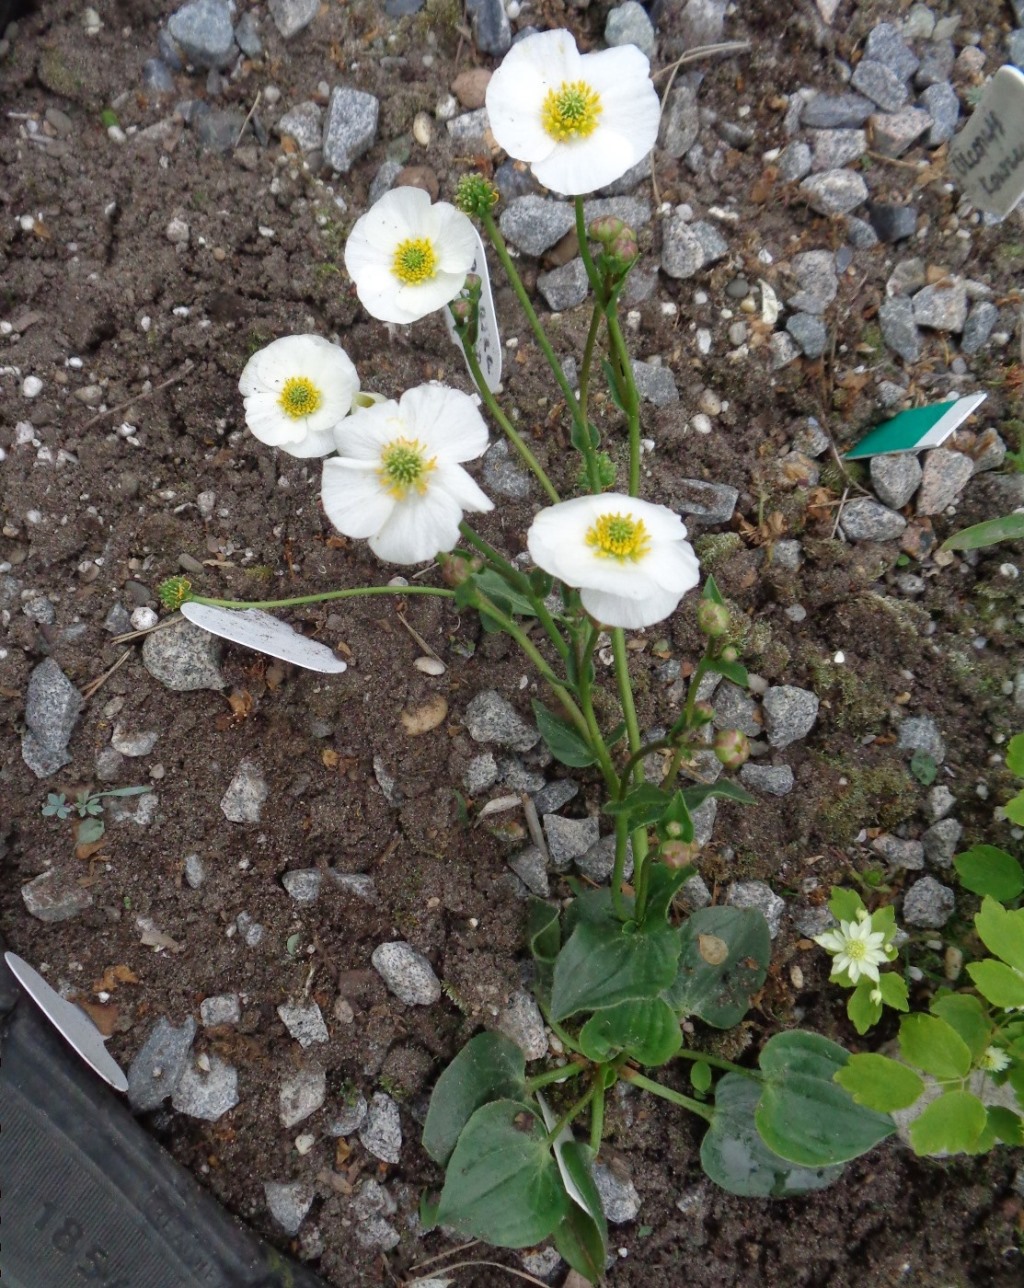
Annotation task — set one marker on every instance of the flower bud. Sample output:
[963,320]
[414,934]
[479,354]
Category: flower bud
[712,618]
[703,712]
[456,569]
[730,653]
[463,312]
[732,748]
[173,592]
[624,248]
[677,854]
[476,195]
[606,229]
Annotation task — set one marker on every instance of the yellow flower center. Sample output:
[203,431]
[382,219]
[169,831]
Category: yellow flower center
[299,397]
[571,111]
[856,949]
[619,536]
[415,261]
[403,466]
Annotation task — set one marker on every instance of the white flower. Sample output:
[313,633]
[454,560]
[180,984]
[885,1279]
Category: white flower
[994,1060]
[296,390]
[856,948]
[629,558]
[397,479]
[408,257]
[580,120]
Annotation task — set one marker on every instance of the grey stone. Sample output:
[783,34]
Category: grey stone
[942,105]
[247,35]
[481,773]
[789,713]
[892,133]
[195,871]
[1015,46]
[835,148]
[249,928]
[598,863]
[159,1063]
[946,474]
[989,452]
[505,473]
[218,131]
[713,243]
[304,1022]
[243,800]
[906,278]
[759,895]
[555,795]
[899,330]
[815,273]
[304,124]
[928,904]
[895,478]
[812,921]
[53,897]
[860,234]
[530,867]
[40,610]
[689,247]
[865,520]
[564,287]
[794,162]
[381,1133]
[619,1198]
[694,893]
[109,765]
[370,1207]
[836,111]
[204,32]
[206,1093]
[183,657]
[942,307]
[470,127]
[291,16]
[350,127]
[569,838]
[533,224]
[941,842]
[940,801]
[921,733]
[157,78]
[522,1021]
[703,819]
[834,192]
[937,60]
[708,502]
[681,125]
[885,44]
[133,744]
[225,1008]
[910,584]
[787,555]
[655,384]
[387,172]
[357,884]
[626,183]
[407,973]
[303,884]
[52,705]
[880,84]
[900,853]
[776,780]
[809,332]
[517,778]
[892,223]
[288,1202]
[783,348]
[979,326]
[492,31]
[736,709]
[349,1119]
[118,621]
[40,759]
[490,718]
[628,24]
[302,1095]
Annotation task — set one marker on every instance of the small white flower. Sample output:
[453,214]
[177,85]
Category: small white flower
[397,479]
[856,949]
[630,559]
[296,390]
[409,257]
[580,120]
[994,1060]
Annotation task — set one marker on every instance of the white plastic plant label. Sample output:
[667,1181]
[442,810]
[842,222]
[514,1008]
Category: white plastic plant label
[265,633]
[987,157]
[488,341]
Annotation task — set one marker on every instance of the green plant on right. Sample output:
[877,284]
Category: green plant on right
[89,808]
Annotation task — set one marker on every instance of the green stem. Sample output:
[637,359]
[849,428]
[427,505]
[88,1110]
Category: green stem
[632,399]
[560,1074]
[639,835]
[319,599]
[660,744]
[594,277]
[717,1062]
[666,1093]
[508,429]
[597,1117]
[597,741]
[588,358]
[572,1112]
[619,869]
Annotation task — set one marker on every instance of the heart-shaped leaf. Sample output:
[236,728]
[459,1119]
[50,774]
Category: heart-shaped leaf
[489,1067]
[723,962]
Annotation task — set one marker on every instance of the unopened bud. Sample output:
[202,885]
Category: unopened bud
[730,653]
[456,569]
[732,748]
[703,712]
[606,229]
[624,247]
[712,618]
[173,592]
[677,854]
[476,195]
[463,312]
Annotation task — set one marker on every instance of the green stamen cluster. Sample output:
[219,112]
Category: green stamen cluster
[476,195]
[173,592]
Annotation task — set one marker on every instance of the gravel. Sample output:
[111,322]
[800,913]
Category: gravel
[304,1022]
[303,884]
[835,148]
[564,287]
[710,502]
[736,709]
[836,111]
[159,1063]
[492,31]
[533,224]
[885,44]
[980,323]
[941,842]
[815,273]
[530,867]
[628,24]
[381,1133]
[619,1198]
[52,706]
[246,793]
[921,733]
[655,384]
[53,896]
[305,124]
[204,33]
[943,106]
[945,475]
[834,192]
[892,223]
[895,478]
[900,853]
[288,1203]
[569,838]
[183,657]
[407,973]
[301,1095]
[292,16]
[491,718]
[350,127]
[206,1093]
[880,84]
[688,247]
[775,780]
[810,333]
[892,133]
[865,520]
[942,307]
[759,895]
[522,1021]
[225,1008]
[928,904]
[789,713]
[899,329]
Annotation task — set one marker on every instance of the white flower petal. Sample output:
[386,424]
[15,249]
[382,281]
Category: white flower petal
[617,610]
[418,528]
[456,239]
[446,421]
[363,436]
[414,302]
[317,442]
[576,168]
[462,488]
[353,498]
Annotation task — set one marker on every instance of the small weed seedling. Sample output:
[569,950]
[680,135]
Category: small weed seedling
[89,808]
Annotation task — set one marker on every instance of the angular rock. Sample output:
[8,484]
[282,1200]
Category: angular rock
[533,224]
[940,801]
[569,838]
[776,780]
[810,333]
[789,713]
[979,326]
[892,223]
[159,1063]
[681,124]
[736,709]
[492,31]
[895,478]
[937,60]
[349,1119]
[243,800]
[183,657]
[759,895]
[206,1093]
[303,884]
[921,733]
[928,904]
[288,1203]
[301,1095]
[815,272]
[708,502]
[490,718]
[892,133]
[555,795]
[835,148]
[900,853]
[795,162]
[942,307]
[381,1133]
[865,520]
[304,1022]
[943,106]
[885,44]
[204,32]
[133,744]
[304,124]
[836,111]
[407,973]
[655,384]
[52,705]
[505,473]
[51,896]
[598,863]
[522,1021]
[530,867]
[564,287]
[941,842]
[619,1198]
[880,84]
[899,330]
[225,1008]
[247,35]
[946,474]
[628,24]
[834,192]
[350,127]
[689,247]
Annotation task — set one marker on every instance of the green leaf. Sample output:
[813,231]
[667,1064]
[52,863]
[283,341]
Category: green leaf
[880,1083]
[613,387]
[648,1032]
[496,588]
[577,1240]
[951,1124]
[923,767]
[663,886]
[643,805]
[929,1043]
[502,1183]
[863,1012]
[1002,931]
[725,791]
[1008,527]
[123,791]
[489,1067]
[89,831]
[723,962]
[998,983]
[712,592]
[564,743]
[700,1077]
[736,1158]
[601,966]
[986,869]
[582,1237]
[1015,755]
[844,904]
[1006,1125]
[730,670]
[543,934]
[428,1211]
[804,1115]
[675,822]
[965,1013]
[893,988]
[1014,809]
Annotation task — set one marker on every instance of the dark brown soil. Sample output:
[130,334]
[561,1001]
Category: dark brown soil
[117,516]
